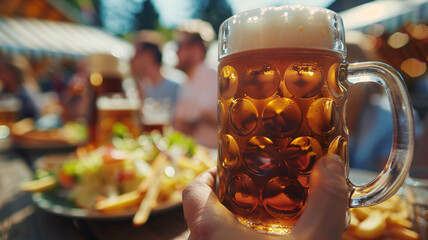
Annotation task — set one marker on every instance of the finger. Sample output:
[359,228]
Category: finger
[206,216]
[209,177]
[197,193]
[201,206]
[327,201]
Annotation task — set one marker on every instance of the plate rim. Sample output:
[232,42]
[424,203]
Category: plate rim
[83,213]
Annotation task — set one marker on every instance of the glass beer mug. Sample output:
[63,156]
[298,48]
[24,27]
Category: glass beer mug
[282,98]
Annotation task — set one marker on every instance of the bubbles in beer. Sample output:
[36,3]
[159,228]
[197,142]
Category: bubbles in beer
[334,72]
[322,116]
[243,116]
[261,155]
[302,153]
[339,146]
[244,193]
[228,82]
[283,197]
[229,151]
[303,79]
[282,115]
[261,82]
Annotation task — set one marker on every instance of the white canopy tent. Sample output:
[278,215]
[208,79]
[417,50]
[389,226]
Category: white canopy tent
[41,38]
[392,14]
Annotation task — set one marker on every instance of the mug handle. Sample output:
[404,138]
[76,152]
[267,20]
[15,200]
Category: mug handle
[396,169]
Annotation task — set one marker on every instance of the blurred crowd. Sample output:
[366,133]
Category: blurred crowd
[101,88]
[146,94]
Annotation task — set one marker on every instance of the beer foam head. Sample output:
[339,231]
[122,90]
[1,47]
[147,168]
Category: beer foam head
[282,27]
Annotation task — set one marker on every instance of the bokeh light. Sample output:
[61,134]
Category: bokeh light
[4,131]
[420,32]
[244,5]
[413,67]
[398,40]
[96,79]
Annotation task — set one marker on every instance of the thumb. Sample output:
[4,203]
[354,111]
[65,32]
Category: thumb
[327,202]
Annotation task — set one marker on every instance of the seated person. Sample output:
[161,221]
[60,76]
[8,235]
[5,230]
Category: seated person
[146,70]
[11,79]
[196,112]
[369,120]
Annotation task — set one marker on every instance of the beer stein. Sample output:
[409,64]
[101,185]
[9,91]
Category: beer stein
[282,96]
[115,109]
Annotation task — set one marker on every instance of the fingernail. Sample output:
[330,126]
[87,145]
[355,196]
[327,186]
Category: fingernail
[333,163]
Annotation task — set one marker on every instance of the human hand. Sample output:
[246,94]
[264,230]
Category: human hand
[323,217]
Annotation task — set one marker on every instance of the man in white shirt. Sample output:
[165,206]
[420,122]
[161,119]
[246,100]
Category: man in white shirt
[196,110]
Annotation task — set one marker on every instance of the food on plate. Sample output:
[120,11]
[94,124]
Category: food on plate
[120,202]
[153,190]
[128,174]
[388,220]
[39,185]
[27,132]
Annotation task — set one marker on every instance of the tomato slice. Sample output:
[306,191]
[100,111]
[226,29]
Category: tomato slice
[66,180]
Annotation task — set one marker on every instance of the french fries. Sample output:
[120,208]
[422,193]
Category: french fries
[124,178]
[187,163]
[371,227]
[143,212]
[388,220]
[154,189]
[39,185]
[123,201]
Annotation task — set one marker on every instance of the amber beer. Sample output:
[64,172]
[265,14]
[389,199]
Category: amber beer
[115,109]
[281,107]
[156,115]
[280,110]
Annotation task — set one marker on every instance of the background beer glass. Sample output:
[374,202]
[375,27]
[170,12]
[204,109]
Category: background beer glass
[281,106]
[113,109]
[156,114]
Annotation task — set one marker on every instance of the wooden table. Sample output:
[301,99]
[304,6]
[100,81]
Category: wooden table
[21,219]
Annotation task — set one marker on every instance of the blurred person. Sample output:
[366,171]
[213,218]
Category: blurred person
[370,124]
[196,111]
[322,219]
[96,76]
[369,118]
[12,79]
[77,94]
[146,70]
[30,82]
[420,158]
[157,94]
